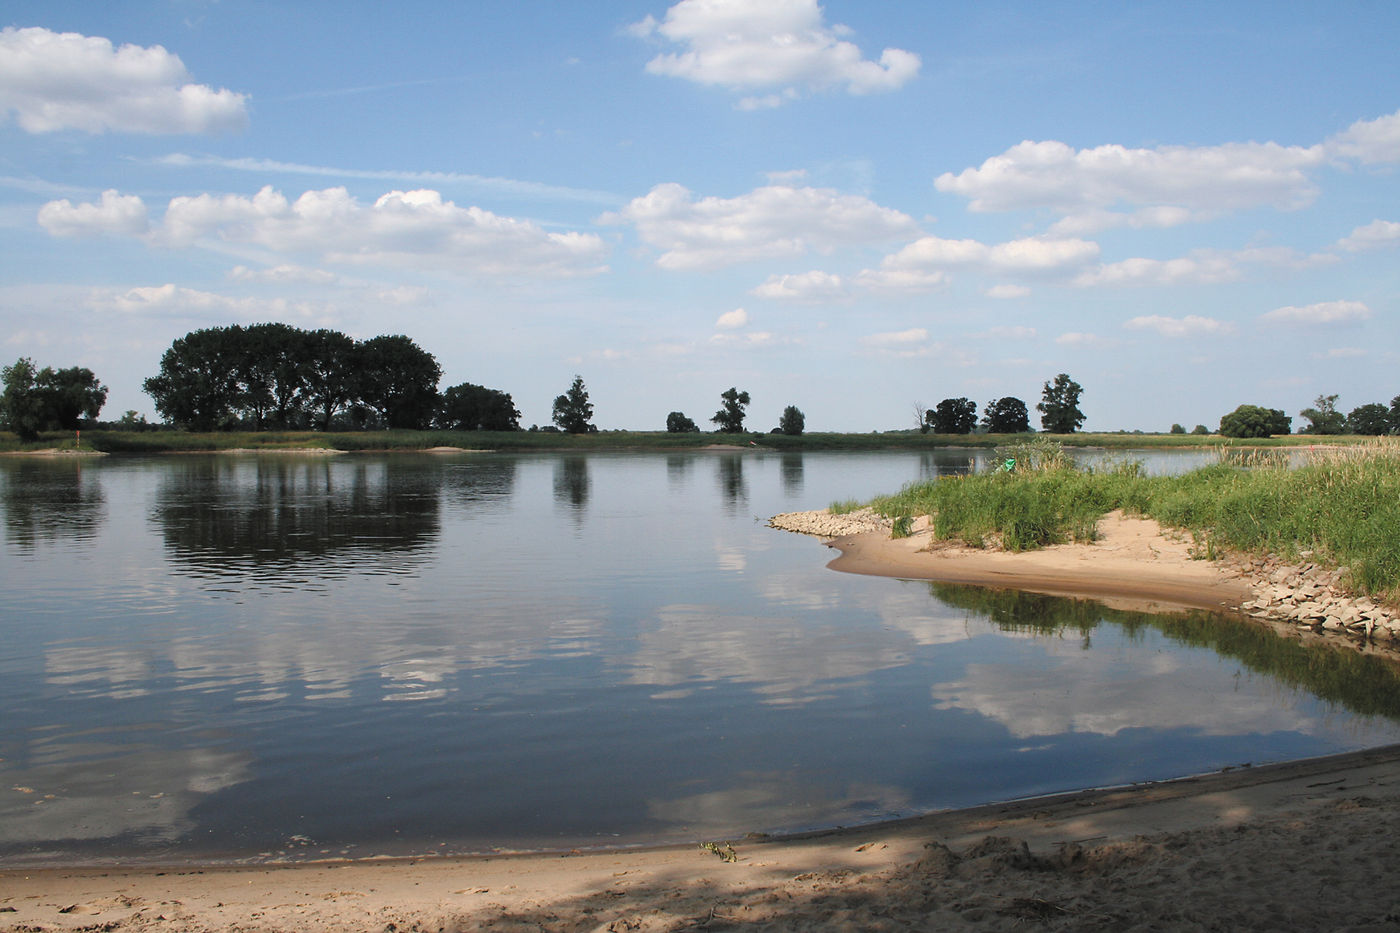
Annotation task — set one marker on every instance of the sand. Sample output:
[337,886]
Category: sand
[1298,846]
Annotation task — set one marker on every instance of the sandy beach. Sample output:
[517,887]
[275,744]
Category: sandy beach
[1298,846]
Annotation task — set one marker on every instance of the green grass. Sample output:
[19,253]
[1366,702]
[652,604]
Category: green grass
[1341,508]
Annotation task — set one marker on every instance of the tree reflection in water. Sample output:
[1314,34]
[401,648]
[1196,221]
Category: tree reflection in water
[49,500]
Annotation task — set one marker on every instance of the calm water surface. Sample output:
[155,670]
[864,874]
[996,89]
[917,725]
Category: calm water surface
[274,656]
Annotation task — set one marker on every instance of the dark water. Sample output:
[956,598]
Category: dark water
[241,657]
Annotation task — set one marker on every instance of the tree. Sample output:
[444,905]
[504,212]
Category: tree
[197,387]
[48,399]
[1325,419]
[1369,419]
[469,407]
[1395,415]
[398,379]
[1254,421]
[678,423]
[953,416]
[1006,416]
[1059,406]
[1178,429]
[921,417]
[793,422]
[1200,429]
[328,373]
[572,411]
[730,418]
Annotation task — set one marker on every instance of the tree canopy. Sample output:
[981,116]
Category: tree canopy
[1324,418]
[1255,421]
[1059,406]
[469,407]
[572,410]
[1006,416]
[952,416]
[46,399]
[793,422]
[678,423]
[730,418]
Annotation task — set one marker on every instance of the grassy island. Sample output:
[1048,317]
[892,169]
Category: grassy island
[1340,508]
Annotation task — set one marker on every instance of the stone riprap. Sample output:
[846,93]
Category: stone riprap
[823,524]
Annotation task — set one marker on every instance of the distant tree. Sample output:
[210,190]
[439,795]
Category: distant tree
[953,416]
[1395,415]
[328,374]
[1059,406]
[1324,419]
[572,411]
[398,380]
[1178,429]
[678,423]
[1373,418]
[730,418]
[1006,416]
[197,387]
[922,416]
[793,421]
[469,407]
[1254,421]
[48,399]
[1200,429]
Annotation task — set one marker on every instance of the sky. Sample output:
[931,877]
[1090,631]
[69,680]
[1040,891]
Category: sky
[855,208]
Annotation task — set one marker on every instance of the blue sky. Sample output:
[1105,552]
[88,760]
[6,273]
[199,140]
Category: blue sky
[851,208]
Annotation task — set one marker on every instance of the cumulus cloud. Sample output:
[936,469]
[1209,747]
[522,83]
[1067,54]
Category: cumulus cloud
[922,264]
[1081,339]
[1177,180]
[772,222]
[732,320]
[1189,326]
[284,273]
[1008,291]
[1371,142]
[175,301]
[1376,234]
[911,342]
[116,214]
[781,46]
[753,340]
[803,286]
[402,228]
[56,81]
[1323,313]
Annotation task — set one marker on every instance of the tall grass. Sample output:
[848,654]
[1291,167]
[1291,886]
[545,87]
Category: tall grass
[1341,507]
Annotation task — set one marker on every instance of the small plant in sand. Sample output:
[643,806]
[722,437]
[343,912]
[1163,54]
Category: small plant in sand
[725,851]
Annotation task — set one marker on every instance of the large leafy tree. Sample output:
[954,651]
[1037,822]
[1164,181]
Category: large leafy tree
[1255,421]
[198,386]
[793,422]
[1324,418]
[398,379]
[953,416]
[45,399]
[678,423]
[1006,415]
[730,417]
[469,407]
[1373,418]
[1059,406]
[572,410]
[328,373]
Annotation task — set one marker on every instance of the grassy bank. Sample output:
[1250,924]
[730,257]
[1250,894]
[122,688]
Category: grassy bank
[161,441]
[1341,508]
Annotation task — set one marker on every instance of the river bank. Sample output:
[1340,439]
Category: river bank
[1304,846]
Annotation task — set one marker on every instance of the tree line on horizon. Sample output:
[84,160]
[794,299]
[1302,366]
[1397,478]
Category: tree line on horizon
[276,376]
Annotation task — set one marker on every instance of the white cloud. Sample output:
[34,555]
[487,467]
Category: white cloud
[1017,332]
[753,340]
[803,286]
[402,228]
[174,301]
[1341,353]
[55,81]
[1371,142]
[902,338]
[782,45]
[284,273]
[772,222]
[732,320]
[1174,182]
[1326,312]
[1189,326]
[1093,221]
[1008,291]
[921,264]
[1376,234]
[116,214]
[1081,339]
